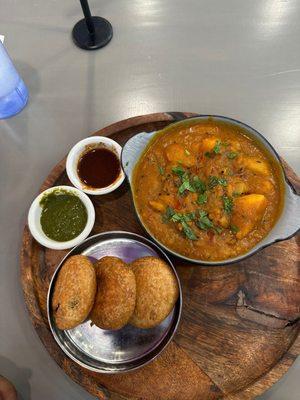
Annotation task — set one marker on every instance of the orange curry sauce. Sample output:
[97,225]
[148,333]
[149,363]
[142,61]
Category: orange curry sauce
[208,191]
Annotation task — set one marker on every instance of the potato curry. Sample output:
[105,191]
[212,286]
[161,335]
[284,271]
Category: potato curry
[208,191]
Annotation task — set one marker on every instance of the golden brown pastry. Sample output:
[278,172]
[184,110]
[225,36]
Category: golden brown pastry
[74,292]
[156,291]
[116,291]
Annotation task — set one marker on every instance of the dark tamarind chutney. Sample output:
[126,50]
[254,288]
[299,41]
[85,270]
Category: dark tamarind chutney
[98,167]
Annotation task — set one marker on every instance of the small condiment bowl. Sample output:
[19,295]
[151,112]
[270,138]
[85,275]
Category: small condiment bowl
[79,149]
[34,220]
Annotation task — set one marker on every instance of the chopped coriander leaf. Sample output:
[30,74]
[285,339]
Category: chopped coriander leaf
[202,198]
[168,214]
[208,154]
[232,155]
[190,216]
[177,217]
[198,185]
[218,229]
[203,221]
[202,213]
[161,170]
[127,163]
[186,185]
[227,204]
[222,181]
[188,231]
[234,228]
[178,170]
[217,147]
[187,152]
[236,194]
[212,182]
[182,219]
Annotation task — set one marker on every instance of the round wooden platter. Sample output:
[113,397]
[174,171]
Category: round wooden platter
[239,327]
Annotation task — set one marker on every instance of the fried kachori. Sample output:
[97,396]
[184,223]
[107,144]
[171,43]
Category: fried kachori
[156,291]
[74,292]
[116,294]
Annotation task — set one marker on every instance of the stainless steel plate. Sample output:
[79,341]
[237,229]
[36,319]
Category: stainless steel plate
[128,348]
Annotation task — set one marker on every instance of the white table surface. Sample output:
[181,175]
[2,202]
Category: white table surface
[235,58]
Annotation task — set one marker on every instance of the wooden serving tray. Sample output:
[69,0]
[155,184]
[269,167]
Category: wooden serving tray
[239,327]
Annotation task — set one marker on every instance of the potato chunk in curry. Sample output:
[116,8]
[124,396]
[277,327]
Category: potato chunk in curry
[248,212]
[256,165]
[178,154]
[208,192]
[209,143]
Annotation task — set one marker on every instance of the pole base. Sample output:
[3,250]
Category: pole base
[83,39]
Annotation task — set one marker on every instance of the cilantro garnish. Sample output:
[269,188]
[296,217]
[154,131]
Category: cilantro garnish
[227,204]
[218,229]
[186,185]
[179,217]
[168,214]
[161,170]
[185,180]
[203,222]
[217,147]
[178,170]
[183,220]
[202,198]
[188,231]
[212,182]
[222,181]
[232,155]
[234,228]
[198,185]
[190,216]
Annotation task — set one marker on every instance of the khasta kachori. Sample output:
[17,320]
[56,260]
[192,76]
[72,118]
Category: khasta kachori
[116,294]
[157,291]
[112,293]
[74,292]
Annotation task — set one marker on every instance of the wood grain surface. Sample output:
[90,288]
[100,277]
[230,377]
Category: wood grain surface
[240,323]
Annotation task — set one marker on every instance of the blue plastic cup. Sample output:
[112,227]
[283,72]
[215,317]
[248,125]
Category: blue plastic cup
[13,92]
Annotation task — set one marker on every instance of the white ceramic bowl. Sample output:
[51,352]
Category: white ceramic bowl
[73,158]
[34,220]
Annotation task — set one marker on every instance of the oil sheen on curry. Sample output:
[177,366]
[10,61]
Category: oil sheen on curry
[208,191]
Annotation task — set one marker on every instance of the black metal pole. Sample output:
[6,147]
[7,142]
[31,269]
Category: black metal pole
[91,33]
[88,16]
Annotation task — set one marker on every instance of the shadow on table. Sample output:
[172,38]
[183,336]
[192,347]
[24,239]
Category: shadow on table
[17,126]
[19,377]
[30,77]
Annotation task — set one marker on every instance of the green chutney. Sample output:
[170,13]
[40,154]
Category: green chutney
[63,216]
